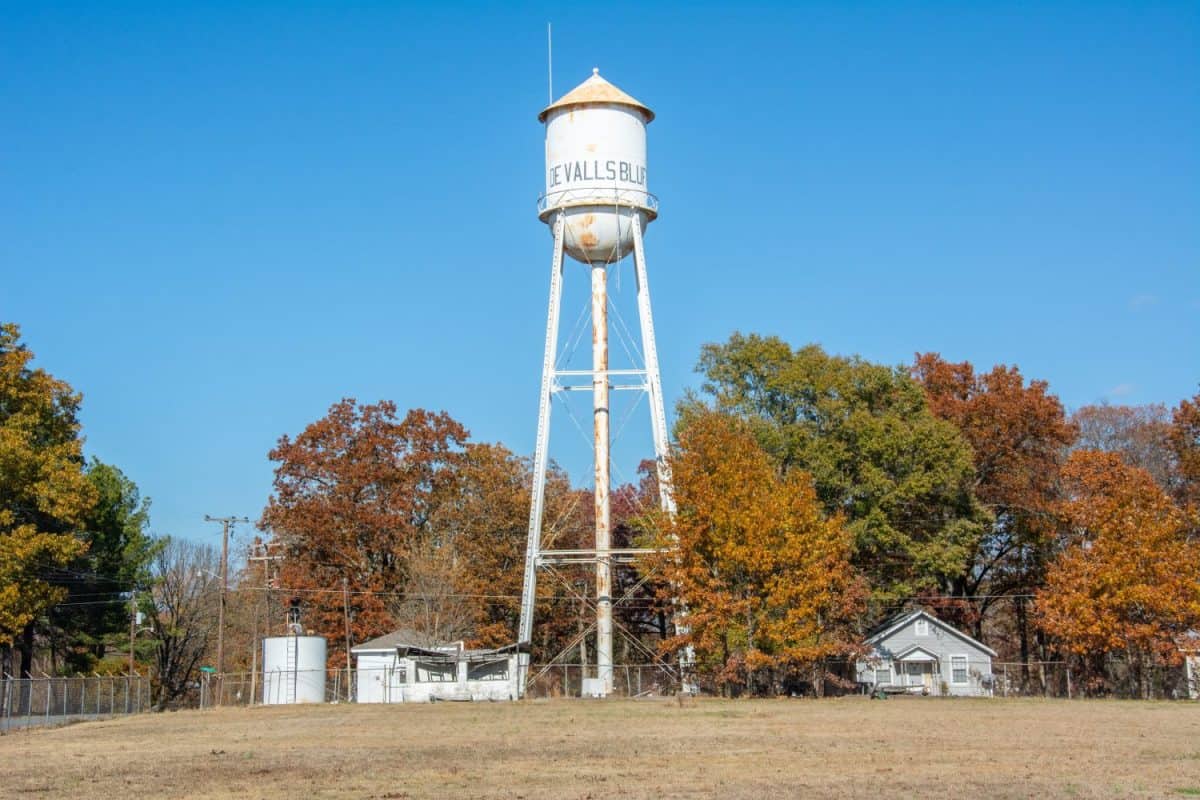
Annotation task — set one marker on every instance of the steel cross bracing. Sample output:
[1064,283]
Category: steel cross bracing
[600,380]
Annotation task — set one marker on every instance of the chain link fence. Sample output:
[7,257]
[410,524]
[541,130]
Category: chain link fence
[30,702]
[1115,678]
[629,680]
[277,687]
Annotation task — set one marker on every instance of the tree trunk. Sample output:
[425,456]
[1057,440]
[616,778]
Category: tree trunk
[25,644]
[1023,635]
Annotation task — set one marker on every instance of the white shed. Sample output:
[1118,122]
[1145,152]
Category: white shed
[394,669]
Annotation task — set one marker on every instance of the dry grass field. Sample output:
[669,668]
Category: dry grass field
[853,747]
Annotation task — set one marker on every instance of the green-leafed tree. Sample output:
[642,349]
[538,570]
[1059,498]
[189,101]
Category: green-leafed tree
[116,563]
[44,494]
[901,477]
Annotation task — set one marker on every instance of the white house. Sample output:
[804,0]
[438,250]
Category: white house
[918,653]
[392,669]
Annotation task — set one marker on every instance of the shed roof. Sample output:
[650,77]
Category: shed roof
[390,641]
[418,644]
[893,624]
[595,90]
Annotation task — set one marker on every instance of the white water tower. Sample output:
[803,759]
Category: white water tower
[596,170]
[597,204]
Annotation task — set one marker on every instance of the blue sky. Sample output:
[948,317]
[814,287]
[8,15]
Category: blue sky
[215,221]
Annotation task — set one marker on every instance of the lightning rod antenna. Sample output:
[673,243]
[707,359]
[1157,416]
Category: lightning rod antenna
[550,61]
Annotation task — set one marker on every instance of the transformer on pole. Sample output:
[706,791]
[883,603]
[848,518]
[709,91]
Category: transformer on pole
[597,206]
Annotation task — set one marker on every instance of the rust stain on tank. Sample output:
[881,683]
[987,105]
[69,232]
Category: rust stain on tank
[588,239]
[591,148]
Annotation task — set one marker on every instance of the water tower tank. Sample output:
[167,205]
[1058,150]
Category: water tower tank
[596,169]
[293,670]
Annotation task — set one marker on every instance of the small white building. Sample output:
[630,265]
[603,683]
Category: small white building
[917,653]
[1190,648]
[393,669]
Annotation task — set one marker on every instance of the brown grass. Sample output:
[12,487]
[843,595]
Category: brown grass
[906,747]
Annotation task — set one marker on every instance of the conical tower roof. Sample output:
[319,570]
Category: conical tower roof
[595,90]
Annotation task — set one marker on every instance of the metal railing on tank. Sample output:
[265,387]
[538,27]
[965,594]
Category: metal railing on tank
[597,195]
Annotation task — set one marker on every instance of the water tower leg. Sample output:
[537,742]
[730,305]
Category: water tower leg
[533,542]
[658,416]
[601,440]
[658,425]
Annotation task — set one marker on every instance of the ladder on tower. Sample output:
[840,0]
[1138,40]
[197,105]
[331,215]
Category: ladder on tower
[290,658]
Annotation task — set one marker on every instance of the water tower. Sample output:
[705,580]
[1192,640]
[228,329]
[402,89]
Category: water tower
[597,205]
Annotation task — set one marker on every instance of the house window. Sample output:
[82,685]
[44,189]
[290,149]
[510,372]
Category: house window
[922,627]
[958,669]
[436,672]
[490,671]
[883,676]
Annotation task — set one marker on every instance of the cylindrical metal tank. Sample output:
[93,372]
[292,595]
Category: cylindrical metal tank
[293,670]
[596,169]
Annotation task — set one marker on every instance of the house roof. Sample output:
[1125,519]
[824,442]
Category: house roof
[595,90]
[893,624]
[916,653]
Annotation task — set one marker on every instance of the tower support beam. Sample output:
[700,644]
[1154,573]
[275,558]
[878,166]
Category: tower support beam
[541,456]
[603,506]
[658,415]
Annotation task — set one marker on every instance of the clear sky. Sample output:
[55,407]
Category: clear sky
[216,221]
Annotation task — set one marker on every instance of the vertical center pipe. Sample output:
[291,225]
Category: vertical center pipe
[600,428]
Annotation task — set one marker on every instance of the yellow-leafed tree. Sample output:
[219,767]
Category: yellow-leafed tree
[765,578]
[44,492]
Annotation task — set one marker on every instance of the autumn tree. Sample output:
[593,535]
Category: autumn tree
[1127,581]
[466,572]
[765,577]
[44,494]
[1019,435]
[901,477]
[427,527]
[1140,435]
[1184,438]
[354,497]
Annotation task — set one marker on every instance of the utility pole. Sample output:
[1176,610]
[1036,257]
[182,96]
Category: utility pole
[226,524]
[261,552]
[346,618]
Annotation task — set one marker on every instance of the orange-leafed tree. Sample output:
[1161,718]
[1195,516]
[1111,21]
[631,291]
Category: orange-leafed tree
[427,528]
[1019,434]
[1141,435]
[1126,582]
[354,497]
[1185,442]
[766,578]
